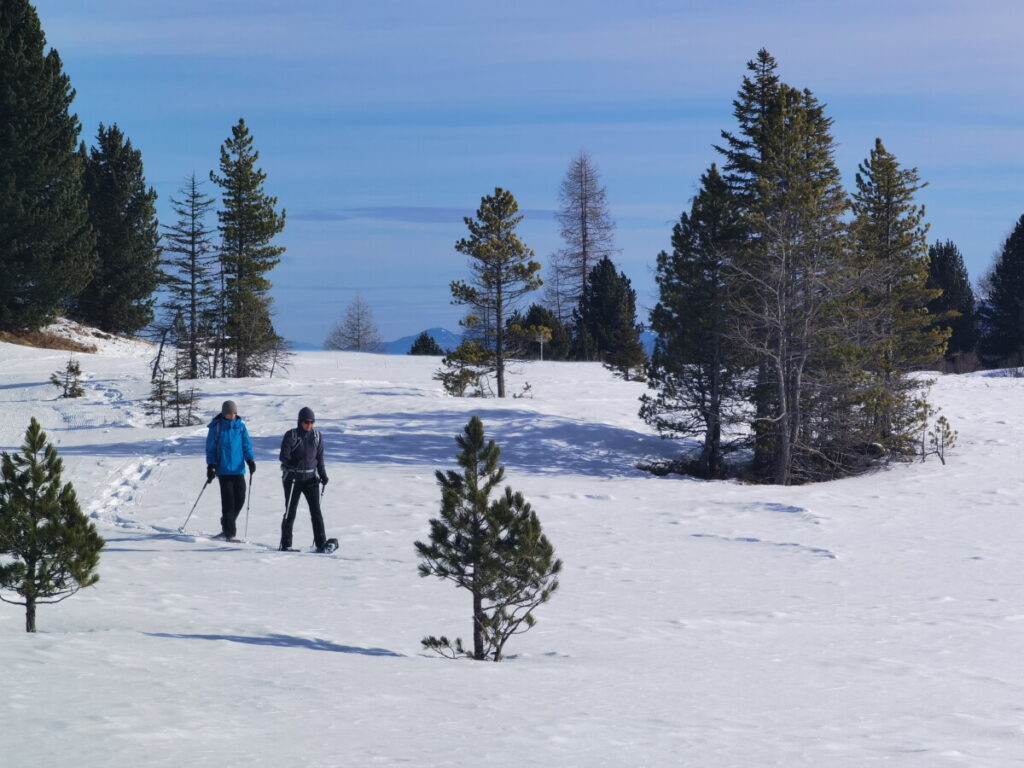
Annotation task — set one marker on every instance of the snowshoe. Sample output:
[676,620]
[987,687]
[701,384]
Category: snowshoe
[327,547]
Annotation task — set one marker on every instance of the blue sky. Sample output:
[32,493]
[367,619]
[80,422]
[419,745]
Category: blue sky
[381,124]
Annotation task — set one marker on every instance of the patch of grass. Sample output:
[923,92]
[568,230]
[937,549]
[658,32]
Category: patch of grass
[45,340]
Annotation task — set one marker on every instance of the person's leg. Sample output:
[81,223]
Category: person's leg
[291,501]
[227,503]
[230,524]
[311,491]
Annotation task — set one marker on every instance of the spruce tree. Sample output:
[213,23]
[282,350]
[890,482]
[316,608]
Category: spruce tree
[46,245]
[248,223]
[502,272]
[1002,307]
[494,549]
[696,369]
[788,282]
[122,211]
[51,547]
[425,344]
[955,307]
[607,319]
[899,336]
[744,151]
[190,274]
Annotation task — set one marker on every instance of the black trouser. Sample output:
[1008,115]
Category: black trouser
[232,498]
[292,490]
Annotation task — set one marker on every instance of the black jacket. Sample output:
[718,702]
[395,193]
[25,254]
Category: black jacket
[302,453]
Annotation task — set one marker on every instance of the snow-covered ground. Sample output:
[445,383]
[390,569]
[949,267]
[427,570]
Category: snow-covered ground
[874,621]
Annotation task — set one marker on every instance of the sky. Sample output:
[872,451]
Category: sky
[381,125]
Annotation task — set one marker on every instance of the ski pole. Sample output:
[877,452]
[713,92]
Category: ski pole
[248,501]
[182,528]
[288,504]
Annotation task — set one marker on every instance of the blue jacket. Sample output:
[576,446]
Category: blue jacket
[228,446]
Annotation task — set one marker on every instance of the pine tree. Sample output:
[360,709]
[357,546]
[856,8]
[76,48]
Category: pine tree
[1002,307]
[494,549]
[46,245]
[248,224]
[502,272]
[898,335]
[466,370]
[190,274]
[425,344]
[122,211]
[586,229]
[52,549]
[607,317]
[955,308]
[356,331]
[69,380]
[696,370]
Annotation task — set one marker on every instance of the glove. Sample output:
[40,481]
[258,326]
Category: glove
[211,472]
[252,466]
[323,479]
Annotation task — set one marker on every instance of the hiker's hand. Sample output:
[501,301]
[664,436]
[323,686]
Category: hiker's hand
[252,466]
[211,472]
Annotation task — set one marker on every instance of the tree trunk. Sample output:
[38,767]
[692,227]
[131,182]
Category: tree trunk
[30,614]
[478,630]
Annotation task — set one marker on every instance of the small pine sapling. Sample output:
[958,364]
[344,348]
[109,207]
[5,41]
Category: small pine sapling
[466,368]
[49,549]
[68,380]
[494,549]
[173,405]
[941,438]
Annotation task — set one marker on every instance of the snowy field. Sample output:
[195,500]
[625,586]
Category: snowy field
[874,621]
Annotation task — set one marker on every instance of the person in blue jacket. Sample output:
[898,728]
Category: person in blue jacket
[228,451]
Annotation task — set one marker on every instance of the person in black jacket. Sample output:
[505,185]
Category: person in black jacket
[302,465]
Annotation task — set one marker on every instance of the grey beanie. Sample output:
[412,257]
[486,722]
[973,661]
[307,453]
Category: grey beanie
[306,413]
[228,407]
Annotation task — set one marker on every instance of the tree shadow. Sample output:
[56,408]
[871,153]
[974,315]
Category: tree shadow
[530,442]
[283,641]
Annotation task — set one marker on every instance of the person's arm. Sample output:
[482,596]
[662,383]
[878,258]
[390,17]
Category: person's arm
[285,456]
[247,453]
[321,471]
[211,445]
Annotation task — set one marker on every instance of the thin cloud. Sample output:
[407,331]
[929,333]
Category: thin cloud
[403,214]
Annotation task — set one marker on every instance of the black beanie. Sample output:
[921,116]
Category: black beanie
[306,413]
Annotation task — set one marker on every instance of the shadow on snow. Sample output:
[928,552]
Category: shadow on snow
[529,442]
[283,641]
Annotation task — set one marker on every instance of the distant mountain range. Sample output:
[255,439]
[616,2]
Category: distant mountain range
[448,340]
